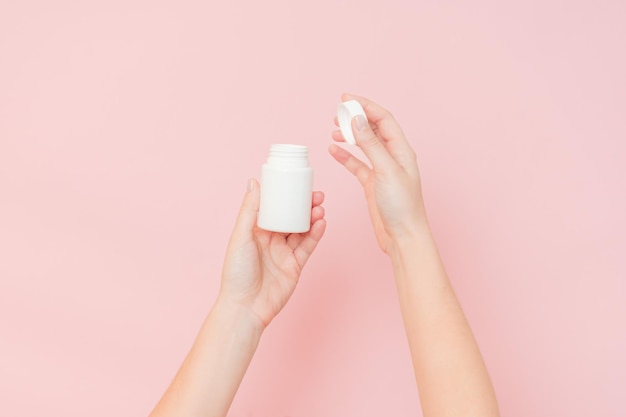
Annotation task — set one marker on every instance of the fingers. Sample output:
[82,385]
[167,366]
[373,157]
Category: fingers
[372,145]
[356,167]
[387,129]
[318,198]
[317,213]
[309,242]
[338,136]
[246,219]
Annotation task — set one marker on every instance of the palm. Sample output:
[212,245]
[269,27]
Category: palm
[388,201]
[262,268]
[267,271]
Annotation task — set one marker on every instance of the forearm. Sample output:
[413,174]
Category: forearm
[209,377]
[450,373]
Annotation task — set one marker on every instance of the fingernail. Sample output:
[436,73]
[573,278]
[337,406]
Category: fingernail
[361,122]
[250,185]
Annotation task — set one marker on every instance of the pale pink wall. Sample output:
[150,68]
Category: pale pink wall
[128,130]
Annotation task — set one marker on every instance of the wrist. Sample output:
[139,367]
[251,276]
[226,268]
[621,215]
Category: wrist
[409,233]
[410,242]
[237,316]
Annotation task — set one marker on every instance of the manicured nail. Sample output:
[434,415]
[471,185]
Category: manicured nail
[361,122]
[250,185]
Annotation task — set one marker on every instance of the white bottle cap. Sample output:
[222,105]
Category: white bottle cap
[345,112]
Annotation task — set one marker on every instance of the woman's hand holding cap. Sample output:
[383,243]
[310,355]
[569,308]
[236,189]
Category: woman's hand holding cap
[346,111]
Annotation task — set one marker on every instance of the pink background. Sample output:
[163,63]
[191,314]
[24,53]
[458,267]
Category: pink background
[128,130]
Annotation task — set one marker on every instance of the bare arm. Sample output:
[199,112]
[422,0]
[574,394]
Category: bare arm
[451,376]
[260,273]
[207,381]
[449,369]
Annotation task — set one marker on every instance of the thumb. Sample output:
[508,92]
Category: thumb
[246,219]
[371,144]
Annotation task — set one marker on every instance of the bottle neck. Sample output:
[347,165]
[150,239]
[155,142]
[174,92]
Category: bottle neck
[288,156]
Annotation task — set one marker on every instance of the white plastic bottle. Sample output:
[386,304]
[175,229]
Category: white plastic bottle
[286,190]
